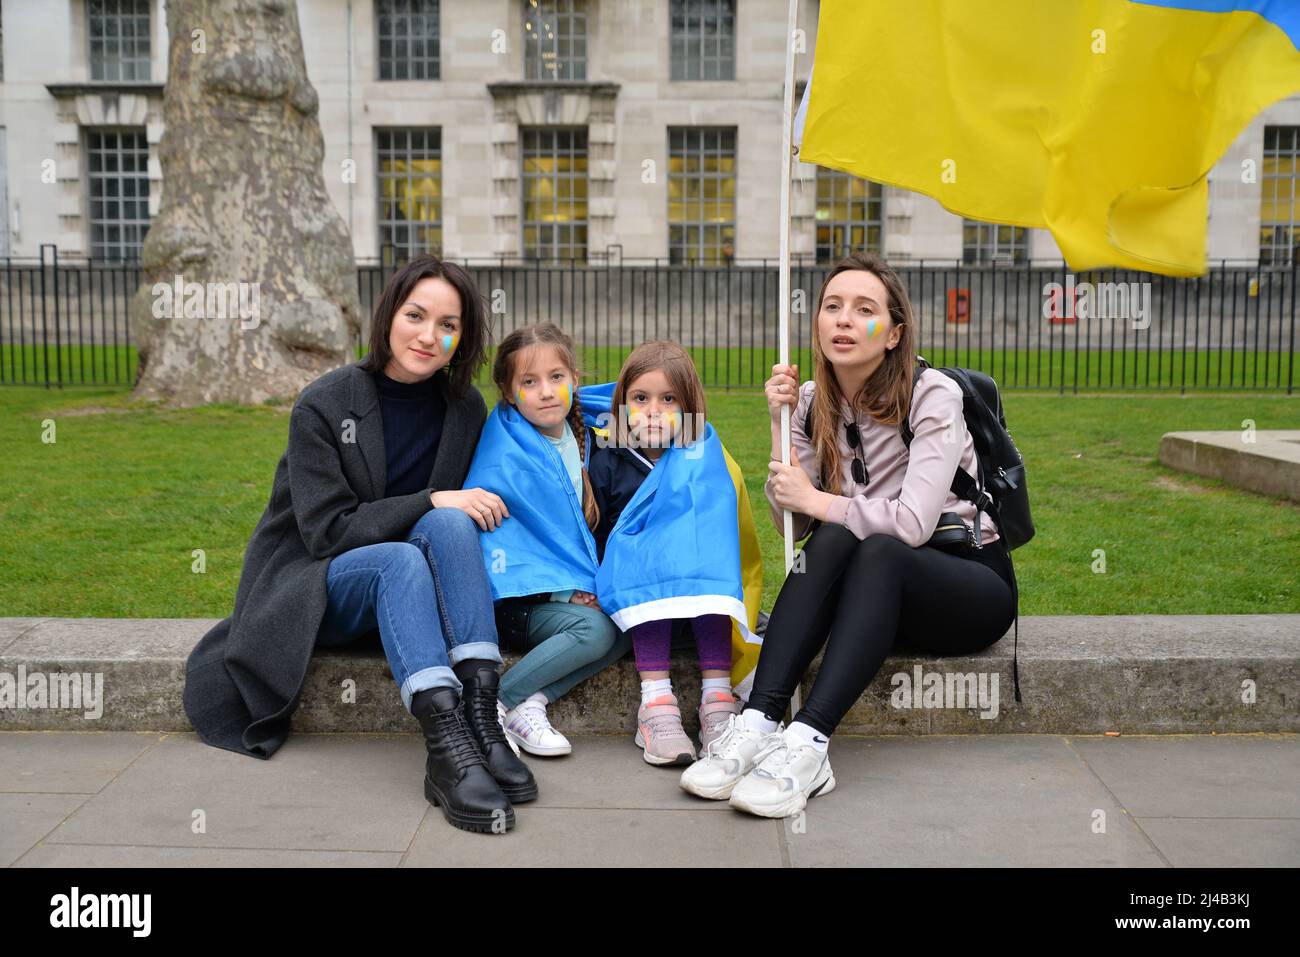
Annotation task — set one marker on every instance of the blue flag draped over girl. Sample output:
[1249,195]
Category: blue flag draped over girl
[685,545]
[544,545]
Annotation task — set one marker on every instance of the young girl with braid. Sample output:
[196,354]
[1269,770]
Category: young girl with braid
[564,634]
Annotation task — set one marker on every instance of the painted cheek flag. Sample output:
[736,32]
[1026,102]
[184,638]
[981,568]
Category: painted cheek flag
[686,544]
[544,545]
[1098,120]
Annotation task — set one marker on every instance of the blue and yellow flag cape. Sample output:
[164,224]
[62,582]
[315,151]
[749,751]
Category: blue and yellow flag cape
[685,545]
[1096,119]
[544,545]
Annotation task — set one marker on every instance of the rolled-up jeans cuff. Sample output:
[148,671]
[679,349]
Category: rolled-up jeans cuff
[486,650]
[439,676]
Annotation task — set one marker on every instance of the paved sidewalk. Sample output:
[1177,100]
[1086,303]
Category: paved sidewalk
[128,798]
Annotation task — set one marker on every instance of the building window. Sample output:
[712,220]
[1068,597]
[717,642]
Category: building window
[555,193]
[119,39]
[1279,227]
[701,195]
[408,39]
[993,244]
[555,40]
[849,217]
[410,192]
[704,40]
[117,169]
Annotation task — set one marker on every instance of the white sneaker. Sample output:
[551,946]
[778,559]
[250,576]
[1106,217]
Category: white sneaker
[728,758]
[501,720]
[782,784]
[528,725]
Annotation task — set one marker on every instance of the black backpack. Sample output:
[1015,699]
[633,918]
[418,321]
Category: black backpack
[1002,469]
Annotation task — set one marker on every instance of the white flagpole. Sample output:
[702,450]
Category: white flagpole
[787,153]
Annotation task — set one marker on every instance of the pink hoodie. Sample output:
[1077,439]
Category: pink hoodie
[904,494]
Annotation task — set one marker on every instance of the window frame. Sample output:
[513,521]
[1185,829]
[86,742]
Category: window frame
[700,248]
[100,65]
[139,177]
[408,37]
[875,199]
[573,13]
[384,226]
[693,11]
[554,228]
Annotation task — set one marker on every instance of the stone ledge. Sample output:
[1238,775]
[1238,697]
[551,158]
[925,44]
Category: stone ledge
[1270,465]
[1079,675]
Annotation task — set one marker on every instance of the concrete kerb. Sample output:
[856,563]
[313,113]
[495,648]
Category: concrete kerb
[1078,675]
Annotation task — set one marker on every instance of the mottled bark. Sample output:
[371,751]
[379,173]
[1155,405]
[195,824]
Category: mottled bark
[243,202]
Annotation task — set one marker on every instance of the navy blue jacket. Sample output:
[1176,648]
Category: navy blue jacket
[615,475]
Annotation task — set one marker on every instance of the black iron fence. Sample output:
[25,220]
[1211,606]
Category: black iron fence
[1031,326]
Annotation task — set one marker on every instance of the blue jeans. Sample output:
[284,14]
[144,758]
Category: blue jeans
[567,643]
[428,596]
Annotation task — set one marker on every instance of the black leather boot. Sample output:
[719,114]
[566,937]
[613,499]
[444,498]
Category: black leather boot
[480,704]
[456,777]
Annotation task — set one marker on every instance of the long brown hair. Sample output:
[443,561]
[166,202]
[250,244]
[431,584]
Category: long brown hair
[474,333]
[886,396]
[677,367]
[503,374]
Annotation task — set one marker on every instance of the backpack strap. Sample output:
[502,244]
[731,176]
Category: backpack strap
[905,430]
[963,486]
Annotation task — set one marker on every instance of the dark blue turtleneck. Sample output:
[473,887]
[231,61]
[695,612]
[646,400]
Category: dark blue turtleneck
[413,414]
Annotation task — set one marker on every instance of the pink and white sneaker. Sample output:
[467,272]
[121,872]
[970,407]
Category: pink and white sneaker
[715,709]
[660,733]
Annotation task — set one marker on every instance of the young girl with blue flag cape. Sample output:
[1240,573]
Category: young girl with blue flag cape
[676,542]
[542,559]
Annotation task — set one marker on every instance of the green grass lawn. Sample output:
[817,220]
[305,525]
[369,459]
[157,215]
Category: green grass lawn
[1047,366]
[104,521]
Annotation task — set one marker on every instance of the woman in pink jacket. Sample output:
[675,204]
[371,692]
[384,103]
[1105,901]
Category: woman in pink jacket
[869,574]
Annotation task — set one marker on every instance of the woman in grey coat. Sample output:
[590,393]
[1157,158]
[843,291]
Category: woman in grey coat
[368,528]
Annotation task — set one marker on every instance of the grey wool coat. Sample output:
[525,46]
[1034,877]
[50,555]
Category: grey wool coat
[244,677]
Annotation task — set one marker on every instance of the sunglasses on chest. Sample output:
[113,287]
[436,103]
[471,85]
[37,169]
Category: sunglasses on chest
[858,467]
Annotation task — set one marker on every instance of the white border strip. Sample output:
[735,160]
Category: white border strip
[686,606]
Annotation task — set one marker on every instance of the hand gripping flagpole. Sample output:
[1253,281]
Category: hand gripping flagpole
[787,153]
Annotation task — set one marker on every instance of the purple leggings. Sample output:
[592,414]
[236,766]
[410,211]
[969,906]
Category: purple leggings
[652,640]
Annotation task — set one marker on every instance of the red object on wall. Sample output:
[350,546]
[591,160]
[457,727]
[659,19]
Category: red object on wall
[959,306]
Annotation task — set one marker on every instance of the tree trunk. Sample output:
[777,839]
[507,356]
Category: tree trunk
[247,235]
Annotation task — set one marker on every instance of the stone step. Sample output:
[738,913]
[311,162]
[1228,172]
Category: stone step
[1078,675]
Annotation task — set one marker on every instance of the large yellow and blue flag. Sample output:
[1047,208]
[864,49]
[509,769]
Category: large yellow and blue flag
[1098,120]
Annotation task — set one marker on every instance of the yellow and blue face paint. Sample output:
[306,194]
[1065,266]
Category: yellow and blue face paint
[874,328]
[564,391]
[449,343]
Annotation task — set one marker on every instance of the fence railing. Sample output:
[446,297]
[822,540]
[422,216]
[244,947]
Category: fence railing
[1030,326]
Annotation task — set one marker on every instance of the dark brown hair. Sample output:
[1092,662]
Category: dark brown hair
[503,374]
[886,395]
[676,364]
[474,332]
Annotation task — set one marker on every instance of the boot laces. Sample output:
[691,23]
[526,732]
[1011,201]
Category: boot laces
[483,706]
[460,741]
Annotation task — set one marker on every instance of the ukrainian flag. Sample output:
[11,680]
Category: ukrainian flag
[1098,120]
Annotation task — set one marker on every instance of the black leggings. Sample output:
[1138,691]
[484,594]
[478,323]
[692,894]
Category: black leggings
[865,594]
